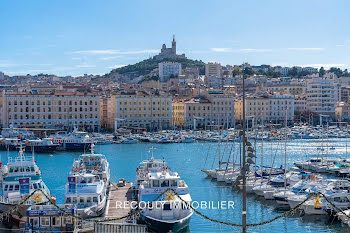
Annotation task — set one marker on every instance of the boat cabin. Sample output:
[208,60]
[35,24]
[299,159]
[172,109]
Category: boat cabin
[47,218]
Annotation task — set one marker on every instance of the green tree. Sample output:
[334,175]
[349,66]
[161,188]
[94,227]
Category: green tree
[321,71]
[337,71]
[248,71]
[293,72]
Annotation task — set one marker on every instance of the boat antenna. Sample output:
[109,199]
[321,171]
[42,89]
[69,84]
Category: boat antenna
[33,157]
[152,149]
[92,148]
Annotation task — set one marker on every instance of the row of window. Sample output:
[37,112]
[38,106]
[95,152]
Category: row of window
[83,200]
[56,221]
[49,117]
[149,109]
[144,103]
[15,187]
[49,109]
[38,102]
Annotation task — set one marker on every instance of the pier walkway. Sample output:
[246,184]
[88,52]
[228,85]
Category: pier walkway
[118,194]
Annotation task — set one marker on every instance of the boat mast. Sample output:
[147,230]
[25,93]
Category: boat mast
[285,153]
[244,204]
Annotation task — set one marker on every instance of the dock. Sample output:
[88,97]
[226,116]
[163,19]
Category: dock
[121,194]
[116,194]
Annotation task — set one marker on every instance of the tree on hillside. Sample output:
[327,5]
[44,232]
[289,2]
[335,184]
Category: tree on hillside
[321,71]
[293,72]
[337,71]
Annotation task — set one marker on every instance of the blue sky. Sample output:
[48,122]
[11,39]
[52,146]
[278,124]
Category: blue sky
[83,36]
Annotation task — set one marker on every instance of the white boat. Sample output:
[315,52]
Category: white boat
[87,192]
[20,178]
[318,206]
[169,213]
[88,183]
[96,164]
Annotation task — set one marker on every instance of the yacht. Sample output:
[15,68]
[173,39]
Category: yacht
[20,178]
[168,213]
[77,140]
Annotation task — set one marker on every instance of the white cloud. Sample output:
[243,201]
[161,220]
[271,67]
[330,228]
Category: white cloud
[255,50]
[85,66]
[339,45]
[305,49]
[109,58]
[4,65]
[247,50]
[221,50]
[112,51]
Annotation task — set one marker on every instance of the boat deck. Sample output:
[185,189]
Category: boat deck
[120,195]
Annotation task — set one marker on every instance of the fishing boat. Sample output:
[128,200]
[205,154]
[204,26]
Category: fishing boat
[21,177]
[170,212]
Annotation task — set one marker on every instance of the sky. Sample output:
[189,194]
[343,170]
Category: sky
[66,37]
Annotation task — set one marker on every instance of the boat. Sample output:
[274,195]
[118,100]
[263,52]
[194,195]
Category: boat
[169,212]
[21,177]
[87,192]
[41,145]
[76,140]
[88,183]
[93,163]
[20,133]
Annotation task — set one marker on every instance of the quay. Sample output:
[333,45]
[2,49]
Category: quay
[121,194]
[117,193]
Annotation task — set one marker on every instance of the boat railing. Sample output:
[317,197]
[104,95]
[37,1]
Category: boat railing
[20,159]
[16,201]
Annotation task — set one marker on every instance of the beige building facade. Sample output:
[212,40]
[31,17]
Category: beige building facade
[61,110]
[151,112]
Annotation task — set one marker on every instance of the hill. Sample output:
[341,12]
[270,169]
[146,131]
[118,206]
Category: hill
[147,66]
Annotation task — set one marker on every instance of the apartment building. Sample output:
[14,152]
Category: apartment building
[169,69]
[300,103]
[52,109]
[213,109]
[139,109]
[322,96]
[213,69]
[266,109]
[192,114]
[342,111]
[292,88]
[223,111]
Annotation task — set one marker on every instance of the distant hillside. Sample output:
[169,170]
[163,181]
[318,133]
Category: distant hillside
[146,66]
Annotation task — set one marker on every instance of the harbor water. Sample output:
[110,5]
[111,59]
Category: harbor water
[188,160]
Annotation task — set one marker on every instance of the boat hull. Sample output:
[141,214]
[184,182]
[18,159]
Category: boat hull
[48,148]
[77,146]
[163,226]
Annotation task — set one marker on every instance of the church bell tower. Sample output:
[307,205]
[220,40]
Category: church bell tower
[173,45]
